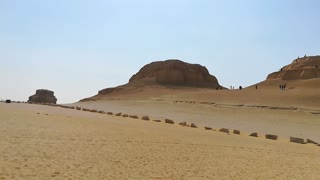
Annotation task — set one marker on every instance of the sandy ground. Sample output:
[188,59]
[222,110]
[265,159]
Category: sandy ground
[42,142]
[293,112]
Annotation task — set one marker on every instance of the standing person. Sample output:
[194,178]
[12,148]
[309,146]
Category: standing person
[256,86]
[284,86]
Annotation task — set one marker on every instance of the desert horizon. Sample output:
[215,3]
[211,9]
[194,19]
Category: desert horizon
[156,124]
[159,90]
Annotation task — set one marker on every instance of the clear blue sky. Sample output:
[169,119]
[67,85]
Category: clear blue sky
[77,47]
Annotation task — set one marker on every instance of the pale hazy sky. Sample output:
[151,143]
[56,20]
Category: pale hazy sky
[77,47]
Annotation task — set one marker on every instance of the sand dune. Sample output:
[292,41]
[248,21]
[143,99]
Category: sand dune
[43,142]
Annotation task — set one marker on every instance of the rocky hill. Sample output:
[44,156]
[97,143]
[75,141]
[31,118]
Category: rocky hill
[168,73]
[307,67]
[176,72]
[43,96]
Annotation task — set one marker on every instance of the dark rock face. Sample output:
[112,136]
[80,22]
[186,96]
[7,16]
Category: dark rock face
[43,96]
[301,68]
[176,72]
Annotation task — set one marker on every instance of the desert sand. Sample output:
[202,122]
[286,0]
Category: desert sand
[293,112]
[89,141]
[44,142]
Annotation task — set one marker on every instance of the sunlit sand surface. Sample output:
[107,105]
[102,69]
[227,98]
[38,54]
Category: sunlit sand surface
[43,142]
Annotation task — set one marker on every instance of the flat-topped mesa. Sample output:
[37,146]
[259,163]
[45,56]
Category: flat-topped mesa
[307,67]
[175,72]
[43,96]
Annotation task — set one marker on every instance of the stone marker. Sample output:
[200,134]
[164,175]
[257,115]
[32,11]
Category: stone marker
[183,124]
[146,118]
[271,136]
[134,116]
[101,112]
[311,142]
[224,130]
[236,132]
[255,134]
[169,121]
[193,125]
[297,140]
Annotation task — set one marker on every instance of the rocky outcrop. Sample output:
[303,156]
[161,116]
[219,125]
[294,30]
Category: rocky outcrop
[43,96]
[168,73]
[175,72]
[307,67]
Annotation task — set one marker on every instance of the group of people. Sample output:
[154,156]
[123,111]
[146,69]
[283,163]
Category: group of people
[232,87]
[283,86]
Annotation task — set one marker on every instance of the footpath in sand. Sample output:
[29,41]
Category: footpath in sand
[43,142]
